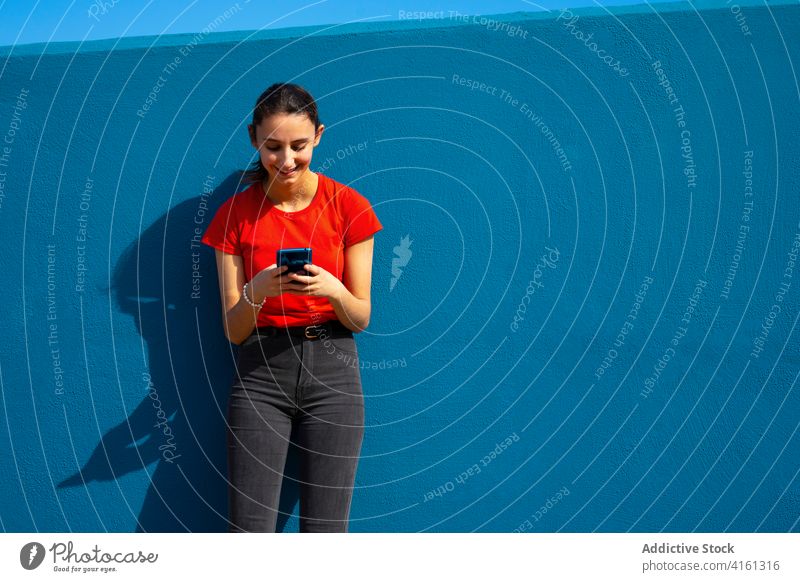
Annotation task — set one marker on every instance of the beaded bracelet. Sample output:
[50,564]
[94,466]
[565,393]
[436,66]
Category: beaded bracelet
[246,298]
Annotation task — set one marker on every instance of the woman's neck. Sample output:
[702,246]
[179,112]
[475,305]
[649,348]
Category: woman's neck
[296,195]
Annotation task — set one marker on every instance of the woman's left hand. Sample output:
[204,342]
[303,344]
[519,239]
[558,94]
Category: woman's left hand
[319,284]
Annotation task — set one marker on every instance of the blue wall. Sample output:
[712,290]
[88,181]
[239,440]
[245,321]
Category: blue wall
[595,327]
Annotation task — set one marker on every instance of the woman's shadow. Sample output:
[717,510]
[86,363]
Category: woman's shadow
[167,281]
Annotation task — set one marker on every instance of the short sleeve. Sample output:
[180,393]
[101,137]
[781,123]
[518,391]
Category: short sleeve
[361,220]
[223,231]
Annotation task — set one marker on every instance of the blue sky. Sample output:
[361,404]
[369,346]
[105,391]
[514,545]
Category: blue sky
[32,21]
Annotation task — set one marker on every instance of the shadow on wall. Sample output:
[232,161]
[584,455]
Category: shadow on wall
[178,430]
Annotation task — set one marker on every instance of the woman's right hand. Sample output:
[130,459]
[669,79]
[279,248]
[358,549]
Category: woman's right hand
[268,283]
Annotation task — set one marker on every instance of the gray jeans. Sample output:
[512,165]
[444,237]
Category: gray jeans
[314,385]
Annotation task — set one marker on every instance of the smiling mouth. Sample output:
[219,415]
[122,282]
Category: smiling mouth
[283,173]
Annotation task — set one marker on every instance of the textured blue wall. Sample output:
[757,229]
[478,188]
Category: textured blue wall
[595,326]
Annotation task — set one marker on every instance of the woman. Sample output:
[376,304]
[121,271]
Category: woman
[295,332]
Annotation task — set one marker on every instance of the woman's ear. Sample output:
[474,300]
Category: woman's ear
[320,129]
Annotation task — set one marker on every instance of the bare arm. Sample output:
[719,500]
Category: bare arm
[353,304]
[349,297]
[239,318]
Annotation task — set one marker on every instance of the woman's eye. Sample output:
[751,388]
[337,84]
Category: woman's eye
[295,148]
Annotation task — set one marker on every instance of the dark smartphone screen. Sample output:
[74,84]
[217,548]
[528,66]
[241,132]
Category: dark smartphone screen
[295,259]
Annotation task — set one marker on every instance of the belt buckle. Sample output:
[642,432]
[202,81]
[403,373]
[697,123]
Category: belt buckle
[308,329]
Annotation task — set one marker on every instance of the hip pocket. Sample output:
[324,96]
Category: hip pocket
[342,345]
[257,354]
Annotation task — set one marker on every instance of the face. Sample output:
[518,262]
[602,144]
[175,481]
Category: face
[285,142]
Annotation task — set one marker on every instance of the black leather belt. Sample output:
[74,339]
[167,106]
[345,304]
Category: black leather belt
[329,329]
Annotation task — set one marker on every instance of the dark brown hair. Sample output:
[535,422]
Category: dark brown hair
[280,98]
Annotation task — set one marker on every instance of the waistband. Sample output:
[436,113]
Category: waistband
[329,329]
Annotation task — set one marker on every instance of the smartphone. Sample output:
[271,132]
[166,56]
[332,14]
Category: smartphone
[295,259]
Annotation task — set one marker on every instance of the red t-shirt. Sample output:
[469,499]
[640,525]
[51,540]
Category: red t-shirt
[247,224]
